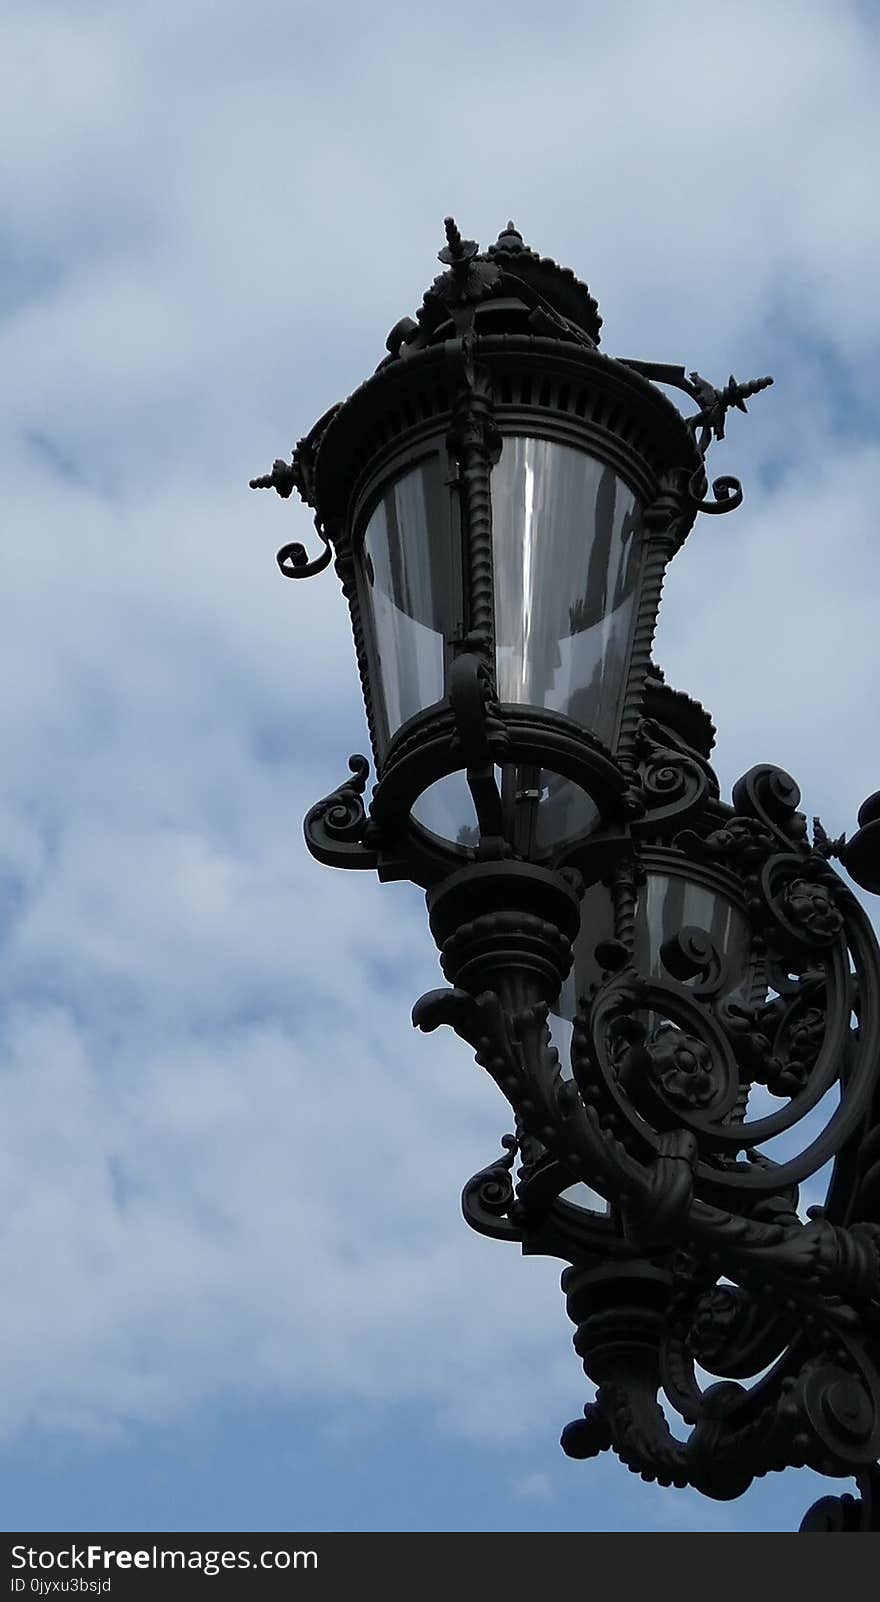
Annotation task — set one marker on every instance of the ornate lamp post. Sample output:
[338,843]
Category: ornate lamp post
[502,501]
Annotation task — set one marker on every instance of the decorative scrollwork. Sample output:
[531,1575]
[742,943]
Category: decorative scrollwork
[727,493]
[810,907]
[691,953]
[488,1199]
[733,1331]
[648,1044]
[337,828]
[784,1057]
[843,1410]
[743,844]
[682,1068]
[708,425]
[799,904]
[293,561]
[673,785]
[718,1065]
[657,1120]
[770,796]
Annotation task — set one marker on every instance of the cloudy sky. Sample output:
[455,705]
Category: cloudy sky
[238,1293]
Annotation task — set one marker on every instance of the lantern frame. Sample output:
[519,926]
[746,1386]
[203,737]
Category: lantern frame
[704,1255]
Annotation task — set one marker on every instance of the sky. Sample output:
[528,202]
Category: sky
[239,1291]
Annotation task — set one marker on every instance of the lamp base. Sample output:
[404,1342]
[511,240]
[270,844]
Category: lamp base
[507,927]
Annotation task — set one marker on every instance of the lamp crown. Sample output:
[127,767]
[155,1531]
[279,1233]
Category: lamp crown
[511,288]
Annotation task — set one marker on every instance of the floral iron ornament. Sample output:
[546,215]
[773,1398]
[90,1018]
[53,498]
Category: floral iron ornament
[721,980]
[702,1258]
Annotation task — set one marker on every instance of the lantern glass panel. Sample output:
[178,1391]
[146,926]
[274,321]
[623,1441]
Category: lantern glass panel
[410,573]
[668,903]
[565,812]
[566,548]
[597,923]
[447,809]
[542,810]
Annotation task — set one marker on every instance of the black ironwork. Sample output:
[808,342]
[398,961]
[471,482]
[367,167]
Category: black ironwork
[721,1058]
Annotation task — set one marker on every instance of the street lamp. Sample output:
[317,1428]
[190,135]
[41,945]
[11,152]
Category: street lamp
[502,500]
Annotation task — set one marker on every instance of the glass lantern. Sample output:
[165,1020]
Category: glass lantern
[566,559]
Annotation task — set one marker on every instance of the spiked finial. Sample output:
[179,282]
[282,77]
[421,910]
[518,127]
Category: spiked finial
[736,394]
[453,236]
[457,253]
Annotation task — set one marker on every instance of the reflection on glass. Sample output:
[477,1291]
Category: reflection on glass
[564,812]
[447,809]
[597,923]
[410,566]
[668,903]
[565,532]
[543,810]
[539,809]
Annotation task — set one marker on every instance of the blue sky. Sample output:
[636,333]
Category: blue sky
[239,1291]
